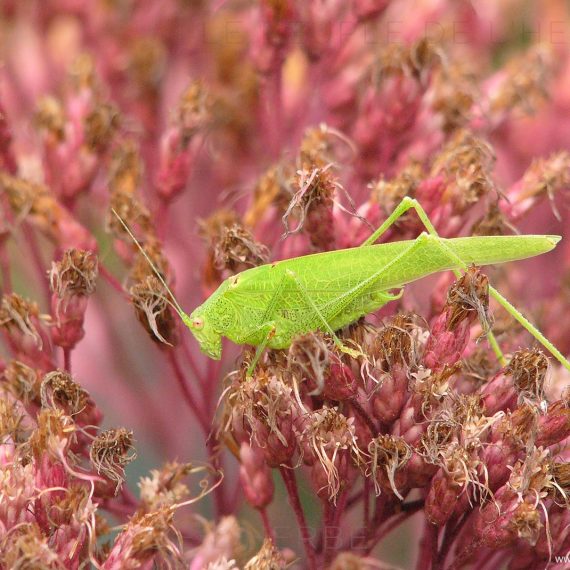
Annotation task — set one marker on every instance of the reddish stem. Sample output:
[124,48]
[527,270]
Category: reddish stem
[290,481]
[428,547]
[269,533]
[67,359]
[187,393]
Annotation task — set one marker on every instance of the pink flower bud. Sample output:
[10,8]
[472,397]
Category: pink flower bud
[255,477]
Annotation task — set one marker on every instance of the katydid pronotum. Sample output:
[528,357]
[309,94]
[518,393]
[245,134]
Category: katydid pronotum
[267,306]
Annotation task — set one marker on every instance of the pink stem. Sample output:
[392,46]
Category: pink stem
[290,481]
[187,393]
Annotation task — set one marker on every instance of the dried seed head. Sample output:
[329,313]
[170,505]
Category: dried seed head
[40,206]
[100,125]
[467,297]
[146,63]
[146,537]
[111,451]
[26,548]
[313,358]
[455,91]
[546,177]
[125,175]
[17,317]
[560,485]
[493,223]
[389,193]
[12,420]
[236,249]
[53,434]
[82,73]
[416,60]
[50,118]
[22,381]
[326,435]
[193,113]
[59,390]
[268,558]
[532,477]
[397,343]
[431,388]
[312,199]
[524,84]
[387,454]
[75,275]
[519,427]
[164,487]
[263,409]
[479,367]
[528,368]
[466,163]
[270,189]
[150,300]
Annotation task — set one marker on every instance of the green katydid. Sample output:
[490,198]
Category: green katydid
[267,306]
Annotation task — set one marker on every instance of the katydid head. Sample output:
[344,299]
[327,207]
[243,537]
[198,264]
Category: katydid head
[209,340]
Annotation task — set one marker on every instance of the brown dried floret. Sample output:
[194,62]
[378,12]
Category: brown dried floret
[75,274]
[17,316]
[479,367]
[22,381]
[146,537]
[455,91]
[310,358]
[141,269]
[466,162]
[313,188]
[268,558]
[525,82]
[328,434]
[100,125]
[396,343]
[546,177]
[236,248]
[165,487]
[269,190]
[415,60]
[387,454]
[433,387]
[193,112]
[35,202]
[53,434]
[389,193]
[492,223]
[467,297]
[528,368]
[50,117]
[146,62]
[82,73]
[231,245]
[519,427]
[60,390]
[26,548]
[153,310]
[11,420]
[111,451]
[560,488]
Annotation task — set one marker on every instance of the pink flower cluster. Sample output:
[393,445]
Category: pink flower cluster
[228,134]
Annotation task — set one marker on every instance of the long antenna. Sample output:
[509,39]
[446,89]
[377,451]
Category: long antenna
[150,262]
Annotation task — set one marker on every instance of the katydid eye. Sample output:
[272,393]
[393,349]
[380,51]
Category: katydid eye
[198,323]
